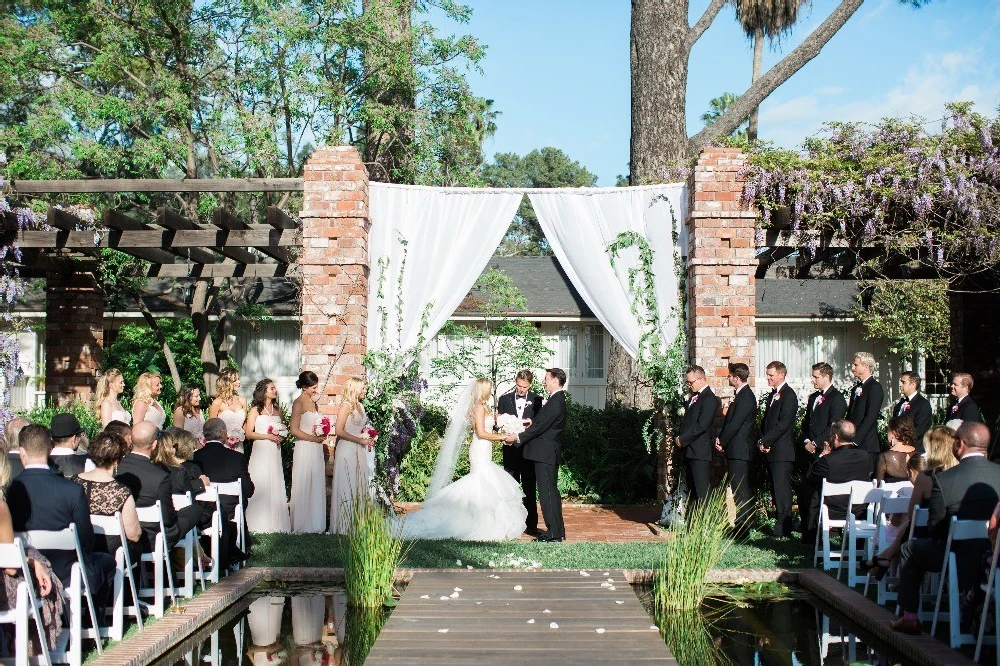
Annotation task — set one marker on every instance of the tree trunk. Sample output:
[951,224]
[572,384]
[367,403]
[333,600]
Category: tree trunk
[659,67]
[201,306]
[758,61]
[626,385]
[175,376]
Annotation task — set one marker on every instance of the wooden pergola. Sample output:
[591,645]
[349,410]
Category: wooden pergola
[175,246]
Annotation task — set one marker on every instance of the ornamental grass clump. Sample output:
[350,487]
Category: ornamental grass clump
[373,548]
[693,547]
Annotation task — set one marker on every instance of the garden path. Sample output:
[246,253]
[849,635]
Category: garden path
[519,617]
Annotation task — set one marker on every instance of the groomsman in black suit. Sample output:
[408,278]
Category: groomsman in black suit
[734,439]
[866,404]
[776,442]
[523,403]
[67,434]
[224,465]
[963,406]
[913,404]
[542,442]
[825,406]
[695,435]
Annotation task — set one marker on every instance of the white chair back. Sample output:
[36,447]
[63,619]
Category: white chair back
[232,488]
[181,501]
[150,514]
[113,526]
[958,530]
[12,557]
[896,487]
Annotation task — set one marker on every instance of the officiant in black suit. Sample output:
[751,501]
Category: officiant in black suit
[523,403]
[734,439]
[825,407]
[541,442]
[913,404]
[695,434]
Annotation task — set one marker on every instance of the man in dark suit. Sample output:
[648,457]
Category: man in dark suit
[969,491]
[840,462]
[825,406]
[10,435]
[776,442]
[149,483]
[67,434]
[41,499]
[963,406]
[914,405]
[224,465]
[734,439]
[523,403]
[866,404]
[695,433]
[542,443]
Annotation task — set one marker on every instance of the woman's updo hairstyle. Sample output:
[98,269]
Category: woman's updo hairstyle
[306,379]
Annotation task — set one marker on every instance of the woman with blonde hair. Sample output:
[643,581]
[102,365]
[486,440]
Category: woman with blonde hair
[107,406]
[188,414]
[310,430]
[182,481]
[353,459]
[145,406]
[939,455]
[230,406]
[484,505]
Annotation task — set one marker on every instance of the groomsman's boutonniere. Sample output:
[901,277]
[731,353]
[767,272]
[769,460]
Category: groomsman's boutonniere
[820,400]
[906,407]
[777,396]
[954,408]
[694,399]
[858,391]
[544,400]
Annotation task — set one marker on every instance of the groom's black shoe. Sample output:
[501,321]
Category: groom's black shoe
[533,531]
[545,538]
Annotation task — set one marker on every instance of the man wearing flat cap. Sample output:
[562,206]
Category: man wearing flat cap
[67,434]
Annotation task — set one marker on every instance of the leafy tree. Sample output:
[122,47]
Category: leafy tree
[548,167]
[718,106]
[913,315]
[498,346]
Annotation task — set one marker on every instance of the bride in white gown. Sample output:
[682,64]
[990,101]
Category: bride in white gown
[484,505]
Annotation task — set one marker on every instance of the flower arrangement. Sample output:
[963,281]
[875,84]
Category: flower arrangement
[509,424]
[281,430]
[323,427]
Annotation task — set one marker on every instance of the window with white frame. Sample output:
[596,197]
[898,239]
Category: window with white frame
[593,352]
[567,353]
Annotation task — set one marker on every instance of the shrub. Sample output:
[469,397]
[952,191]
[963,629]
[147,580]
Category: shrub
[82,411]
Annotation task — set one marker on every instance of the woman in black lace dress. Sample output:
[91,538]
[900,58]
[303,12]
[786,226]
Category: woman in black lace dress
[891,465]
[108,495]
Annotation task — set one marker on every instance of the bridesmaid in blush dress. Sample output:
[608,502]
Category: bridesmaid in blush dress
[230,406]
[354,459]
[308,470]
[188,414]
[267,510]
[108,406]
[145,406]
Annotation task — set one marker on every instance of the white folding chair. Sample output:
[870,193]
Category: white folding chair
[26,606]
[235,489]
[896,487]
[825,523]
[214,532]
[111,526]
[958,530]
[888,507]
[159,561]
[859,529]
[69,649]
[989,587]
[188,542]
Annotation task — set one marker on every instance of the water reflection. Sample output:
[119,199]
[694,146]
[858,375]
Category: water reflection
[305,627]
[786,632]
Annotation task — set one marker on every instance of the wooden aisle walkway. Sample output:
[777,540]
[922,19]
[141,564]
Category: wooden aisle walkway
[517,617]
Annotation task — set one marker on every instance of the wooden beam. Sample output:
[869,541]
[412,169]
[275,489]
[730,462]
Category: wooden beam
[224,270]
[797,239]
[255,236]
[279,219]
[114,219]
[121,222]
[169,219]
[156,185]
[222,218]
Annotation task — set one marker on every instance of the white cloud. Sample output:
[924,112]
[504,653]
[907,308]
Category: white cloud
[922,91]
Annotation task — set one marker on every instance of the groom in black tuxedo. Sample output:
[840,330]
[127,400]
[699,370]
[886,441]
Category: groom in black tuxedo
[542,442]
[523,403]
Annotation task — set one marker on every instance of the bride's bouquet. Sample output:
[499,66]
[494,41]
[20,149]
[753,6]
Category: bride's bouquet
[509,424]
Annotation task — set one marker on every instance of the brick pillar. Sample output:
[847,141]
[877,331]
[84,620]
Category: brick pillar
[722,265]
[334,267]
[74,335]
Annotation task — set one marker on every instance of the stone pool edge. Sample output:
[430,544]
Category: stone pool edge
[169,631]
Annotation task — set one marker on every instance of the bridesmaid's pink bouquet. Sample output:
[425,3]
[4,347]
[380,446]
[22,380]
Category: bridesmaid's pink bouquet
[323,427]
[280,430]
[233,442]
[371,432]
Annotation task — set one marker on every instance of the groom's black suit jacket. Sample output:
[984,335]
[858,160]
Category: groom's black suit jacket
[506,404]
[542,441]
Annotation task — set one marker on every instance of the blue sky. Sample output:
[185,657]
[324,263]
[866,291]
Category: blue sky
[559,70]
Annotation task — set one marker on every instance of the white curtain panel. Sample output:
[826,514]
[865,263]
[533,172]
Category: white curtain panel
[449,236]
[581,223]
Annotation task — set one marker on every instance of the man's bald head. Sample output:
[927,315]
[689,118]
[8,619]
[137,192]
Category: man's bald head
[144,435]
[974,436]
[11,432]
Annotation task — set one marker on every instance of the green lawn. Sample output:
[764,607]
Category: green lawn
[317,550]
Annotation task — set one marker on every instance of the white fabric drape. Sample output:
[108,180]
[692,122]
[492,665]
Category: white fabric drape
[579,224]
[449,235]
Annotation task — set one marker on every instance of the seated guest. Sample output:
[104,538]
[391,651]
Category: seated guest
[224,465]
[108,495]
[67,435]
[185,444]
[121,429]
[890,466]
[969,491]
[842,462]
[40,499]
[182,482]
[150,483]
[49,587]
[10,433]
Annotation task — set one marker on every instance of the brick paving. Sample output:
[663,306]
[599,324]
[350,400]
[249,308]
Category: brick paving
[608,523]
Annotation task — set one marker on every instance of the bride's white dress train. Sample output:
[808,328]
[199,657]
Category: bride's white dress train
[484,505]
